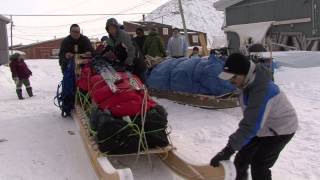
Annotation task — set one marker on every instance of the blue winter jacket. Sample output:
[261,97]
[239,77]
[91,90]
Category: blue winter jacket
[266,109]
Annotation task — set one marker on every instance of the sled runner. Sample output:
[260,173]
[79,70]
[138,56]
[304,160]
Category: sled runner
[228,100]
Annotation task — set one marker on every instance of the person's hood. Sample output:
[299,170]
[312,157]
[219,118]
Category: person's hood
[153,33]
[250,76]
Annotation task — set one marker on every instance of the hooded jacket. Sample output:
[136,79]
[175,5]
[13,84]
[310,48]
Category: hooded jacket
[123,39]
[266,109]
[153,45]
[19,69]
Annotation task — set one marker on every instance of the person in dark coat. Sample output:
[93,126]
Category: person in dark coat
[120,42]
[139,39]
[67,48]
[268,124]
[153,45]
[20,74]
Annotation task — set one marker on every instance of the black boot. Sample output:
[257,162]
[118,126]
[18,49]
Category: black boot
[29,91]
[19,93]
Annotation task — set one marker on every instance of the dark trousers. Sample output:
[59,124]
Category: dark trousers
[177,57]
[19,83]
[261,154]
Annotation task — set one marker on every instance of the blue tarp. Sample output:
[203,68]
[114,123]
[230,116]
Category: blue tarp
[195,75]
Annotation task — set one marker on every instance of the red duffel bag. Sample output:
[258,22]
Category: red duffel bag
[83,81]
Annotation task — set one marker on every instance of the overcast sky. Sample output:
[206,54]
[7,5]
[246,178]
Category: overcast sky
[30,29]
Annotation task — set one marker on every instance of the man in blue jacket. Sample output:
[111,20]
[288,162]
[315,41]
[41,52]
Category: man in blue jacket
[268,124]
[177,45]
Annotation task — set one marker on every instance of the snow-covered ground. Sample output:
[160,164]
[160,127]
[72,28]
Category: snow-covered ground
[36,143]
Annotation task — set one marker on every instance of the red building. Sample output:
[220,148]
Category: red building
[41,50]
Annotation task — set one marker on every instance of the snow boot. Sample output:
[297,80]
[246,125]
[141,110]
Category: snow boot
[29,91]
[19,93]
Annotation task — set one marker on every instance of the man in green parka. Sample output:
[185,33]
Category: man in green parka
[153,45]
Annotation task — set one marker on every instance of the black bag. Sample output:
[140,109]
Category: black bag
[118,136]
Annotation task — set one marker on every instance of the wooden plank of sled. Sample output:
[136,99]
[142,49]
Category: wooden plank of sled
[159,150]
[197,100]
[97,161]
[189,171]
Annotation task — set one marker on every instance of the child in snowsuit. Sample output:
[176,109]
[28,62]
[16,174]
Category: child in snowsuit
[195,53]
[20,74]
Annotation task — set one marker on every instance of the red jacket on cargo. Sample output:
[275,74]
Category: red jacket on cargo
[127,100]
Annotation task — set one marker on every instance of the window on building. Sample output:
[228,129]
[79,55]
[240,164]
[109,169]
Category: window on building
[165,31]
[195,38]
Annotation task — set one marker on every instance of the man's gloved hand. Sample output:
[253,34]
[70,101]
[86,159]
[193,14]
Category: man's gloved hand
[129,68]
[119,68]
[68,55]
[224,154]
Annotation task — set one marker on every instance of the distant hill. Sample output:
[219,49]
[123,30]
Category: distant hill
[199,14]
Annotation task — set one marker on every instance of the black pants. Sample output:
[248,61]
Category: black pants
[177,57]
[261,154]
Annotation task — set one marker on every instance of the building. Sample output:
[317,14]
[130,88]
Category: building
[45,49]
[165,31]
[41,50]
[280,24]
[3,40]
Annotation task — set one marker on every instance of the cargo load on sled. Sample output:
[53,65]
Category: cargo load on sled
[192,81]
[118,119]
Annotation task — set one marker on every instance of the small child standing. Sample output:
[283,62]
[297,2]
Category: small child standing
[195,53]
[20,74]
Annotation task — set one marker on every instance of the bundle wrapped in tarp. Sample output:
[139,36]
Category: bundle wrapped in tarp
[195,76]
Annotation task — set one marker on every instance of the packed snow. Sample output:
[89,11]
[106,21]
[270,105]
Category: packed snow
[36,143]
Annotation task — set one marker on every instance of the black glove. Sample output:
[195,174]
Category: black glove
[224,154]
[119,68]
[129,68]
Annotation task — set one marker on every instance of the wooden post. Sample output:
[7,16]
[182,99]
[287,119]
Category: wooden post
[11,38]
[203,44]
[183,22]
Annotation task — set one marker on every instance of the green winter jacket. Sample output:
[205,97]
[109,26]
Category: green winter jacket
[153,45]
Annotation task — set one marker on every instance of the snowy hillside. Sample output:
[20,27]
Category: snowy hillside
[199,14]
[36,143]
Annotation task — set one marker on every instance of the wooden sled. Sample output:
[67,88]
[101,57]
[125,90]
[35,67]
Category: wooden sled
[229,100]
[178,165]
[189,171]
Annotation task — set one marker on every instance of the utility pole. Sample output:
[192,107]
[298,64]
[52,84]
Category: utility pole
[143,18]
[11,39]
[183,21]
